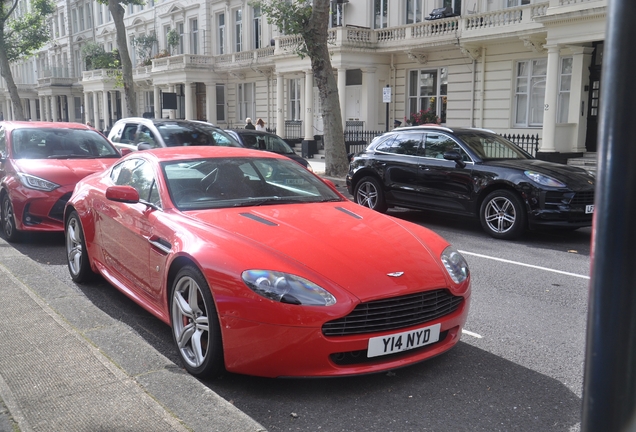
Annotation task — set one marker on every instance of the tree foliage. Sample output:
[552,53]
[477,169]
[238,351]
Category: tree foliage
[22,32]
[144,45]
[310,20]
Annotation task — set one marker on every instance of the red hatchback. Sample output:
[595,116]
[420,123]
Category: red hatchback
[40,163]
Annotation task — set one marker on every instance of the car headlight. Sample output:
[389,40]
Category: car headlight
[38,183]
[287,288]
[455,264]
[543,179]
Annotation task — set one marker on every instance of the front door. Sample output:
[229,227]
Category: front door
[594,98]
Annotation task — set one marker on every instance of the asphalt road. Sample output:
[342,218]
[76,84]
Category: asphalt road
[518,367]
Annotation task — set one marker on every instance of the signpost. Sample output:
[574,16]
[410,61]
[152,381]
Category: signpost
[386,98]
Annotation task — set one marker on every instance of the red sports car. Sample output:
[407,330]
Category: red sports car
[262,268]
[40,163]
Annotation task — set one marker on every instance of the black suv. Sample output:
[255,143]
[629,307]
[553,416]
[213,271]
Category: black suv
[132,132]
[471,172]
[262,140]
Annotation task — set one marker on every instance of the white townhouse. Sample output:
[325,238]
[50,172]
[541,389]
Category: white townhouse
[512,66]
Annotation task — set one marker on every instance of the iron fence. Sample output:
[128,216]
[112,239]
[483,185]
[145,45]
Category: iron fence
[529,143]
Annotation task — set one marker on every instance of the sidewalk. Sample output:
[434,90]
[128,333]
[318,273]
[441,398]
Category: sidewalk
[67,366]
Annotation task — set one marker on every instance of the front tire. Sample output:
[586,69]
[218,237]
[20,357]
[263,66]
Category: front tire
[195,324]
[369,193]
[503,215]
[76,254]
[9,229]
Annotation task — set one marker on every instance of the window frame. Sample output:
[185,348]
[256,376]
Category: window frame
[414,98]
[533,81]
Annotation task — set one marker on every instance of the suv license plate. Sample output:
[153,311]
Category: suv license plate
[383,345]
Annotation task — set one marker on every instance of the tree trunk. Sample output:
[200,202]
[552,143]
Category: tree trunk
[336,163]
[117,11]
[5,71]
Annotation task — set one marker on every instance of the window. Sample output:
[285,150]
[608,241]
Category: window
[427,91]
[221,41]
[57,27]
[294,99]
[530,92]
[565,83]
[100,14]
[62,24]
[245,100]
[180,32]
[194,36]
[89,16]
[258,28]
[149,102]
[380,14]
[75,26]
[406,143]
[454,5]
[238,30]
[138,174]
[166,30]
[78,108]
[336,14]
[413,11]
[220,102]
[513,3]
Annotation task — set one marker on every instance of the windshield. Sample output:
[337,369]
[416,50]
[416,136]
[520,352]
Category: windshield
[489,146]
[217,183]
[190,134]
[59,143]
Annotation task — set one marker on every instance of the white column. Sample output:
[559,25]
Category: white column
[189,101]
[87,107]
[9,111]
[105,110]
[54,108]
[173,113]
[157,101]
[96,123]
[210,103]
[342,94]
[42,104]
[550,106]
[113,107]
[369,99]
[124,105]
[33,109]
[309,105]
[280,105]
[71,108]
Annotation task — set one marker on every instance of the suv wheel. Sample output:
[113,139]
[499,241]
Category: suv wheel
[369,193]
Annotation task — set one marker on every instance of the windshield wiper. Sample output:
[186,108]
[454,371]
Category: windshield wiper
[70,156]
[267,201]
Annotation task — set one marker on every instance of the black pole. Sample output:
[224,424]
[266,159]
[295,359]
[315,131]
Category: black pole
[609,391]
[387,113]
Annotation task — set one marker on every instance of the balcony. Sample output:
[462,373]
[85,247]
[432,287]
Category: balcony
[56,76]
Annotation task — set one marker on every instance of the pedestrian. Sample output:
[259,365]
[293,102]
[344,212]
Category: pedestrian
[260,124]
[248,124]
[89,124]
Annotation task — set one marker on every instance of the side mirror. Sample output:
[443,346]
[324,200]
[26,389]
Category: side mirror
[124,194]
[455,156]
[145,146]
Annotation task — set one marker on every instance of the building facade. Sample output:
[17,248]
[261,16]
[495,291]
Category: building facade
[512,66]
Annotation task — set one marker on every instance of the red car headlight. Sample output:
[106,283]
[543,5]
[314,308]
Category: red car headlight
[455,265]
[33,182]
[287,288]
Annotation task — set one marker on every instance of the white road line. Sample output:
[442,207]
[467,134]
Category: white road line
[469,333]
[524,264]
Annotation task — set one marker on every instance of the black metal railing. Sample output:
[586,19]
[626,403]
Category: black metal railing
[529,143]
[293,129]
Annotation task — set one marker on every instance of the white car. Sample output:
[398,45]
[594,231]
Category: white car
[137,133]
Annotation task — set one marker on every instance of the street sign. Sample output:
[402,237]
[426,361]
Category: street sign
[386,94]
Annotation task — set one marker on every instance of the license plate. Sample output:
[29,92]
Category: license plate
[589,208]
[383,345]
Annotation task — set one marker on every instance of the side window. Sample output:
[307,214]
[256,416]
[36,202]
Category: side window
[138,174]
[437,144]
[145,135]
[128,135]
[404,143]
[250,141]
[3,142]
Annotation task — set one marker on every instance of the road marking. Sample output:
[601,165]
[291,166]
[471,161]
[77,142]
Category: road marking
[525,265]
[469,333]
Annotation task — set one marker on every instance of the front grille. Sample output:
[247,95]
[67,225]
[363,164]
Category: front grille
[581,199]
[394,313]
[57,211]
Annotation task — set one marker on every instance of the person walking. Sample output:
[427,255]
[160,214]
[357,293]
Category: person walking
[260,124]
[248,124]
